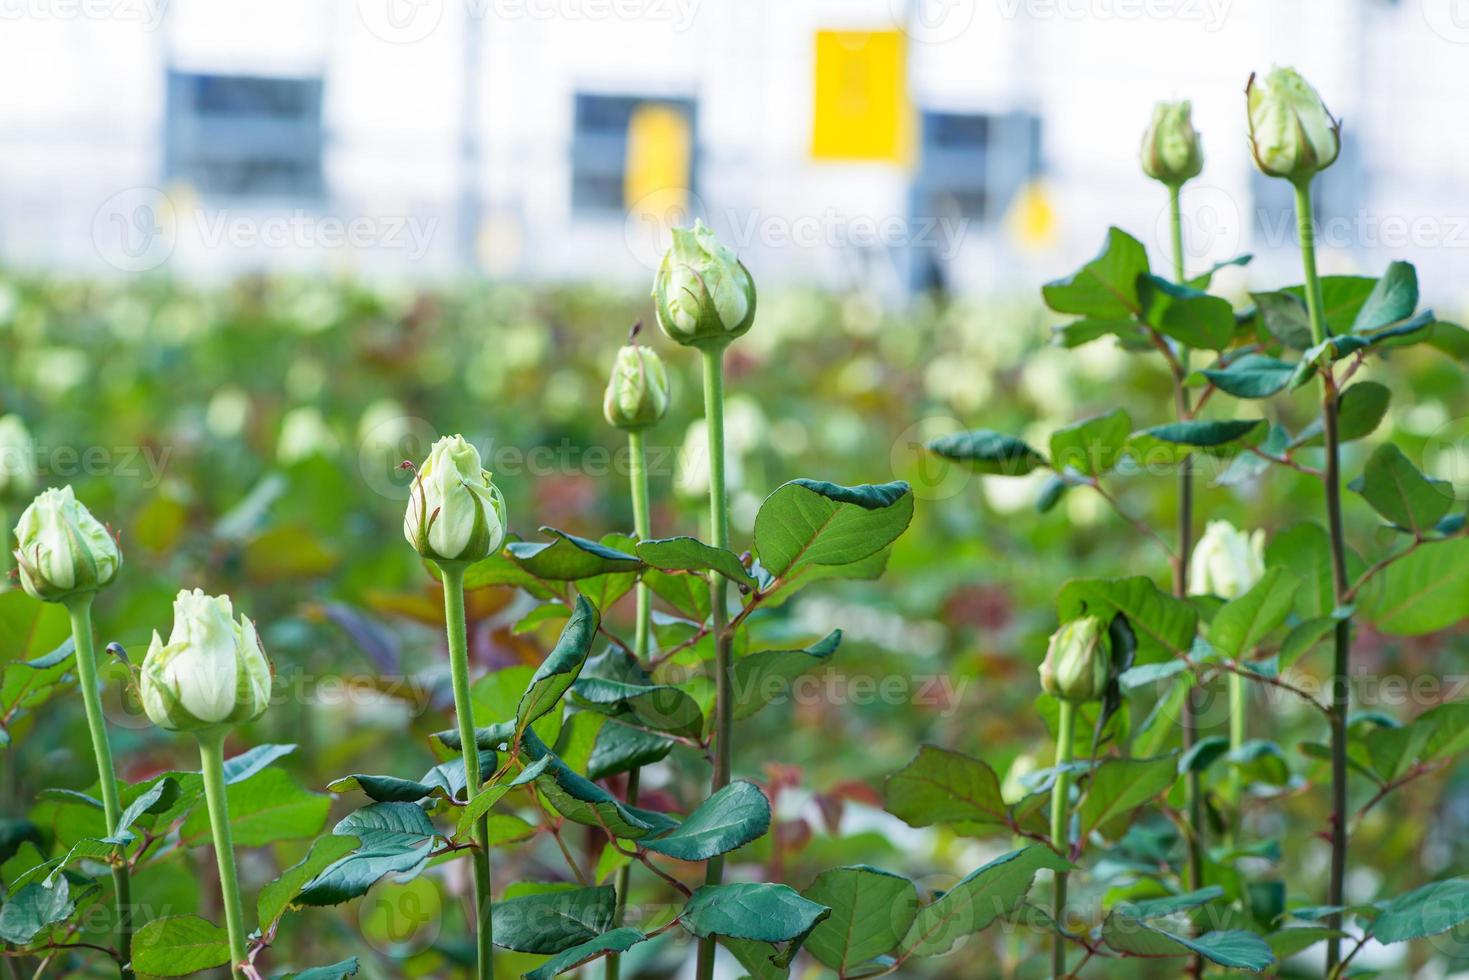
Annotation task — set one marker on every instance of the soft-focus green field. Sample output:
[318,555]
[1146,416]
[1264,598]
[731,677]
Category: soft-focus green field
[243,439]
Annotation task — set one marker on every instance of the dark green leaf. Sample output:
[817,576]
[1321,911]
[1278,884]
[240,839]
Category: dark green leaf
[1120,786]
[1234,949]
[807,522]
[760,912]
[1360,410]
[554,921]
[621,748]
[691,555]
[396,838]
[569,558]
[1401,494]
[277,896]
[561,666]
[1164,625]
[987,452]
[987,894]
[616,941]
[731,818]
[1189,316]
[33,908]
[871,912]
[1425,911]
[337,971]
[1163,445]
[1240,625]
[1106,288]
[658,706]
[1393,298]
[178,945]
[764,676]
[1093,446]
[1423,592]
[943,786]
[1285,318]
[1251,376]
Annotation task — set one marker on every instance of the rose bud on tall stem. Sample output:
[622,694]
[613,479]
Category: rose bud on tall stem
[210,676]
[636,399]
[1294,137]
[704,298]
[1227,563]
[1077,669]
[455,517]
[65,555]
[1173,154]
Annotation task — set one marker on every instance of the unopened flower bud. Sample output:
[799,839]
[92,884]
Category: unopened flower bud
[17,461]
[212,671]
[637,394]
[62,550]
[1078,661]
[1292,135]
[1171,151]
[703,295]
[1226,562]
[455,513]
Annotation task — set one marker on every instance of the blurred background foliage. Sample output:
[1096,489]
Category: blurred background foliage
[244,438]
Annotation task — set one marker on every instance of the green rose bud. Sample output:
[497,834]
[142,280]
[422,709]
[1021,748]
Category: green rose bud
[703,296]
[1172,152]
[212,671]
[1078,661]
[455,513]
[637,394]
[62,550]
[1292,135]
[1226,562]
[17,460]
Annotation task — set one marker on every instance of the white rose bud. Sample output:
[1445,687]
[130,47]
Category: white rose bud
[637,394]
[62,550]
[1078,661]
[1172,152]
[1292,135]
[1226,562]
[17,460]
[211,672]
[455,513]
[703,295]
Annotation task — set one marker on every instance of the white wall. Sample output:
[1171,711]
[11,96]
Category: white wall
[406,80]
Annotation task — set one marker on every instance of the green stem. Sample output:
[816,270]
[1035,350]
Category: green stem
[1341,668]
[638,480]
[80,609]
[718,597]
[211,757]
[1193,789]
[1237,726]
[458,636]
[1061,830]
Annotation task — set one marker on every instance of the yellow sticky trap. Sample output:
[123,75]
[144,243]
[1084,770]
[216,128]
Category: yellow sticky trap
[659,159]
[1032,218]
[863,109]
